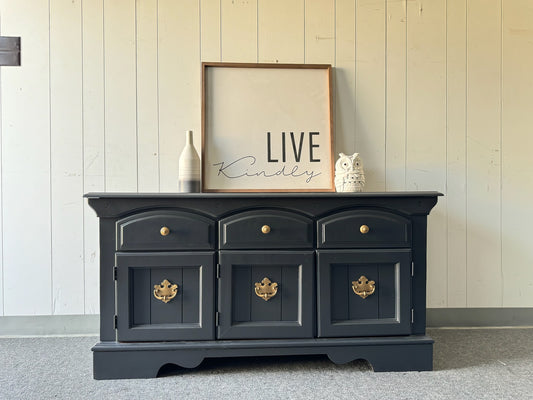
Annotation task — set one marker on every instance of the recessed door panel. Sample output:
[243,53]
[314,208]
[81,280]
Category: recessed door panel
[165,296]
[364,292]
[266,294]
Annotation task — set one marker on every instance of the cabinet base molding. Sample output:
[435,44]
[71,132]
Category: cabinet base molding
[115,360]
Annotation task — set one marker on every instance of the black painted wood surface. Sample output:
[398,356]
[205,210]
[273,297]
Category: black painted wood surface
[315,232]
[188,316]
[187,230]
[244,315]
[287,230]
[342,230]
[342,313]
[144,360]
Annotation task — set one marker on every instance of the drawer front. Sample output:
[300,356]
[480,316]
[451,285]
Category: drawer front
[363,228]
[364,293]
[165,230]
[165,296]
[266,229]
[266,295]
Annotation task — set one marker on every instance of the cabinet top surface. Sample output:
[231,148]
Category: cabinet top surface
[291,195]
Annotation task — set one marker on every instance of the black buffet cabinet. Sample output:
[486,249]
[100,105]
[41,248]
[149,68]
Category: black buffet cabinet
[185,277]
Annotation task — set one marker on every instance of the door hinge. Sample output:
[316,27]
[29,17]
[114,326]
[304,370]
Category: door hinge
[115,272]
[412,315]
[217,318]
[115,322]
[218,271]
[412,268]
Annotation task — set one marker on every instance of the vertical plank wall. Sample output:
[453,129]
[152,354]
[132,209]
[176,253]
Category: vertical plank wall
[434,94]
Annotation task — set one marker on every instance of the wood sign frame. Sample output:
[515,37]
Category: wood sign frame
[267,128]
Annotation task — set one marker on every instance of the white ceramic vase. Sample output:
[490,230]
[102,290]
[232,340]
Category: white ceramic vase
[189,167]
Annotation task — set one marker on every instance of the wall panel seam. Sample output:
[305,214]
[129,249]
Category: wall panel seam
[257,31]
[466,148]
[105,97]
[354,76]
[158,103]
[219,27]
[83,160]
[447,300]
[2,311]
[136,93]
[502,277]
[50,156]
[386,87]
[305,35]
[406,5]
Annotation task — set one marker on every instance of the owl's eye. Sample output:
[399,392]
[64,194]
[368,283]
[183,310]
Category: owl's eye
[357,164]
[345,164]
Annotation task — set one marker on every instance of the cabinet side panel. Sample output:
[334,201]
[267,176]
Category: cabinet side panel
[418,289]
[107,283]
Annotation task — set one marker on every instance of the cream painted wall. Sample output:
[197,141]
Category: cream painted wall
[434,94]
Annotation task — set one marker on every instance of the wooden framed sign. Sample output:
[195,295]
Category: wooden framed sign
[266,127]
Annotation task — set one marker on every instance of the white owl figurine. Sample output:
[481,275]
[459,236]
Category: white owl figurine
[349,174]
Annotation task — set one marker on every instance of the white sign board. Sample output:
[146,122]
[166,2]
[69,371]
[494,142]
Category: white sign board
[266,127]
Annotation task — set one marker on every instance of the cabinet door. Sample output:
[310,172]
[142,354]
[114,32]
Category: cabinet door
[266,294]
[165,296]
[383,280]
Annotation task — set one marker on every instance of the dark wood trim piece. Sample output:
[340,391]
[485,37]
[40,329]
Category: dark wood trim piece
[9,51]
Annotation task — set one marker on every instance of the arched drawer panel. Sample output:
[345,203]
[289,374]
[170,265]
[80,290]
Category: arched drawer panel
[186,231]
[266,229]
[347,229]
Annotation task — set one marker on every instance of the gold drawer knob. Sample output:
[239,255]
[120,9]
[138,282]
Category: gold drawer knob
[364,229]
[265,229]
[164,231]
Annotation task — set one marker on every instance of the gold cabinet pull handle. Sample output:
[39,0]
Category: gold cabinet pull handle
[266,289]
[363,287]
[164,231]
[165,291]
[364,229]
[265,229]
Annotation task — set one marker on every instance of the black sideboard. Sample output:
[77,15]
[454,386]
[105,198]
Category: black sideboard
[185,277]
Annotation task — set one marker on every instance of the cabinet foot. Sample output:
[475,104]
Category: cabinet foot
[113,360]
[388,358]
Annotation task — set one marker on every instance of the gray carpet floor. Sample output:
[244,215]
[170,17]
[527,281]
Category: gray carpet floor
[468,364]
